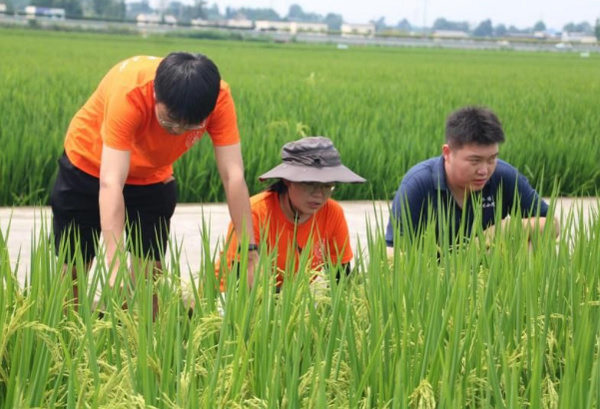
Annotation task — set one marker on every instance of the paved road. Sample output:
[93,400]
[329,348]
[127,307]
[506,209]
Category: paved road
[189,219]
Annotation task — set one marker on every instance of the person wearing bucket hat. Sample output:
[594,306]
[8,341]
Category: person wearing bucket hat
[296,213]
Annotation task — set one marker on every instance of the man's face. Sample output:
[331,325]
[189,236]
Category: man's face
[309,197]
[469,167]
[171,126]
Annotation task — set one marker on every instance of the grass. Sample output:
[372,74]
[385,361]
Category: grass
[384,108]
[460,328]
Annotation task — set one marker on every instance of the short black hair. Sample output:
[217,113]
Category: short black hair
[473,124]
[278,187]
[188,84]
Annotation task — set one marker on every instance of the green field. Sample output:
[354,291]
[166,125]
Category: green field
[430,327]
[383,107]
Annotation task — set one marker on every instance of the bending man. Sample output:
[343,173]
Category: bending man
[120,148]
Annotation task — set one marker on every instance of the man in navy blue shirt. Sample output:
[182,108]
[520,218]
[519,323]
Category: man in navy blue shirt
[467,174]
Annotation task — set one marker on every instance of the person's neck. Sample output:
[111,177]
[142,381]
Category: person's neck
[292,213]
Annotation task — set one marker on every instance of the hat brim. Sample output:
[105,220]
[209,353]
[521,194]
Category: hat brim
[325,174]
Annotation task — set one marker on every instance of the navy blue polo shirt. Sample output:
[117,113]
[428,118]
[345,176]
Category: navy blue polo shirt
[424,190]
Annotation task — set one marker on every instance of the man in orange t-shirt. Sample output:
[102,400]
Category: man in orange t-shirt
[296,213]
[120,148]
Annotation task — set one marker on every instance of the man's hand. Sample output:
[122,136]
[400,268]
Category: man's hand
[252,265]
[389,252]
[540,224]
[490,233]
[531,225]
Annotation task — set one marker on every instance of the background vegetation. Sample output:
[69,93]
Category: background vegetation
[384,108]
[431,327]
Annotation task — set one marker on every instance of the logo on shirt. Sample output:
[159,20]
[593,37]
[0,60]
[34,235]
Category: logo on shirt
[317,259]
[488,202]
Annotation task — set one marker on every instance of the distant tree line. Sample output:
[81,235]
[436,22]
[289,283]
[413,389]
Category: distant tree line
[487,29]
[118,10]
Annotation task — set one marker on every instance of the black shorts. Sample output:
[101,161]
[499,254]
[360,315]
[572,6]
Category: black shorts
[76,213]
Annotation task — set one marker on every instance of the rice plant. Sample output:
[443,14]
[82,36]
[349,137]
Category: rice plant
[384,108]
[429,327]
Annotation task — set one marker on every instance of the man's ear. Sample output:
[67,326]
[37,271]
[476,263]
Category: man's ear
[446,151]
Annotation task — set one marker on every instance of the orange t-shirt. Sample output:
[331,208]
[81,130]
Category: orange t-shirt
[327,228]
[121,114]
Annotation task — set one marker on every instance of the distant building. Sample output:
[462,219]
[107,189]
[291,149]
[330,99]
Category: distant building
[148,19]
[456,34]
[580,38]
[45,12]
[201,22]
[172,20]
[552,34]
[314,28]
[293,27]
[520,36]
[155,19]
[545,35]
[239,23]
[265,25]
[362,30]
[3,8]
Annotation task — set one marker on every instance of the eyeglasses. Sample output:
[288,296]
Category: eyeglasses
[314,187]
[173,125]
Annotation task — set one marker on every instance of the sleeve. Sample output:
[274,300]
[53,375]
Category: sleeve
[122,118]
[340,248]
[222,124]
[410,202]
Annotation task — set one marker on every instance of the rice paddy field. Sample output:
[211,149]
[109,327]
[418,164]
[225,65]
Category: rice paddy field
[384,107]
[514,325]
[509,327]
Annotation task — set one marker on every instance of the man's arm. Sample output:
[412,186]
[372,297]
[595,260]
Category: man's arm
[114,168]
[530,225]
[540,224]
[534,209]
[231,170]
